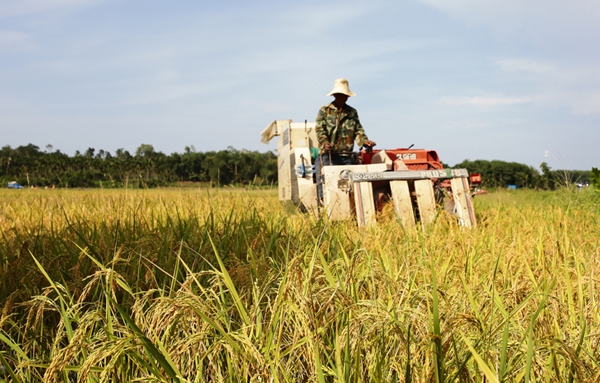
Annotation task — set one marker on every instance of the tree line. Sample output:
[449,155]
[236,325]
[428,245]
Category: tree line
[500,174]
[146,168]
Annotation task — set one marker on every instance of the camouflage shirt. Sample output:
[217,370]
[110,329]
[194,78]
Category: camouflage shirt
[341,129]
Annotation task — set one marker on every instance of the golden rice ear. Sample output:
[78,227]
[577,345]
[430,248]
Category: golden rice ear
[214,285]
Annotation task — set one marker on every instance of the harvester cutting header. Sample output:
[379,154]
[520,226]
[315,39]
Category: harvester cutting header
[318,171]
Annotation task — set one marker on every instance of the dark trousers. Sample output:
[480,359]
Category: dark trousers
[325,160]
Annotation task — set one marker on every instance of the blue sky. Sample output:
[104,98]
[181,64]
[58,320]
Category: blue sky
[472,79]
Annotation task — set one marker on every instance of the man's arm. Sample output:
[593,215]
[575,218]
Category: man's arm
[322,137]
[359,133]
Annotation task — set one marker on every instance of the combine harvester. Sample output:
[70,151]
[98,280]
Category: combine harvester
[413,179]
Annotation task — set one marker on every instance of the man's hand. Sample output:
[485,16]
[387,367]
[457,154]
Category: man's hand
[328,146]
[369,143]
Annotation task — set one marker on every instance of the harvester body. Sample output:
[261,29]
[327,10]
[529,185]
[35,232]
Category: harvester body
[414,180]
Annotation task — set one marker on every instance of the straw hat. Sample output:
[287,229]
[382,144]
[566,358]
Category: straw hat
[341,86]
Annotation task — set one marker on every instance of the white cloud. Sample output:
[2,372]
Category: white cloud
[13,38]
[553,13]
[163,93]
[571,85]
[587,103]
[465,125]
[322,17]
[23,7]
[484,101]
[14,41]
[498,123]
[273,107]
[526,65]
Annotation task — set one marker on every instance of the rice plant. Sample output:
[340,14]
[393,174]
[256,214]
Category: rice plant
[223,286]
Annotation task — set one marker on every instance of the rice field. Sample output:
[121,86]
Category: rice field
[223,286]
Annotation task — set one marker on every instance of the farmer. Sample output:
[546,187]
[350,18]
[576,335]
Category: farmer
[337,128]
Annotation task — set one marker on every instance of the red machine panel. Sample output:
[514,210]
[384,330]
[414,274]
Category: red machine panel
[414,159]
